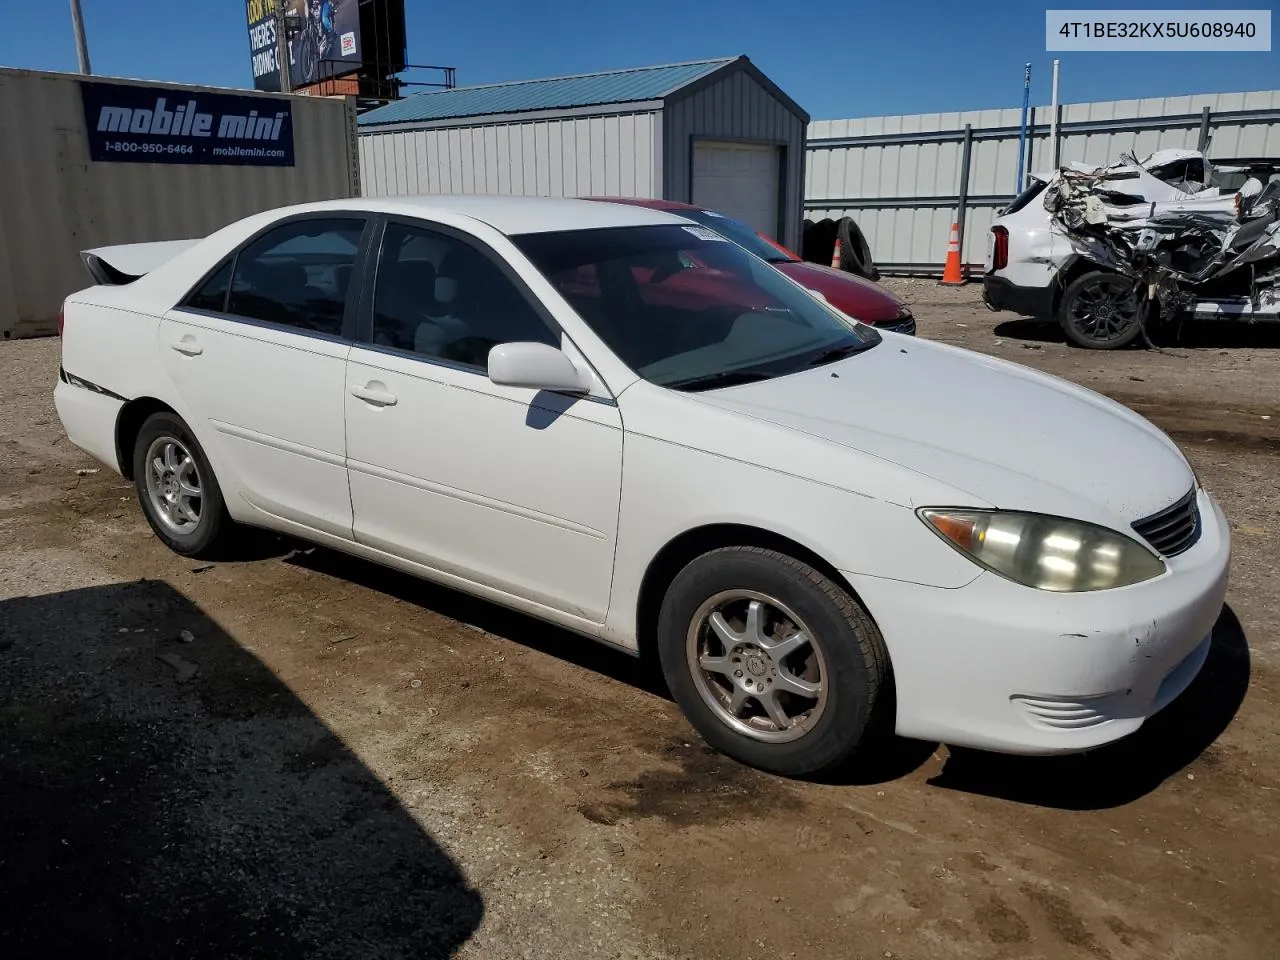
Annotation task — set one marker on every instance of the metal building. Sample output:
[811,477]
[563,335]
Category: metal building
[56,199]
[713,132]
[906,179]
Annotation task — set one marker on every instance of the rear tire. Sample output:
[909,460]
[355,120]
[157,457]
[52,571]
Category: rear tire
[177,490]
[1100,311]
[728,639]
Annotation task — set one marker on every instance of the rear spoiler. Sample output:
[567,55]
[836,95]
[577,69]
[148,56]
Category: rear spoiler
[116,266]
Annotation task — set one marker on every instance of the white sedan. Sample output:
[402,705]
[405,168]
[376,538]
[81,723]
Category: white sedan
[615,420]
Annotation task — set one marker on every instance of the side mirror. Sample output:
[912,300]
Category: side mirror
[536,366]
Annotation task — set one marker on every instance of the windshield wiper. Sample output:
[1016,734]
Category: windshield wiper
[837,353]
[726,378]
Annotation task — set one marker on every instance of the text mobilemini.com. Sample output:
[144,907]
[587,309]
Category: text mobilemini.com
[246,152]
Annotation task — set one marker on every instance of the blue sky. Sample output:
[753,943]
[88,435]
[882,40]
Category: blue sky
[836,58]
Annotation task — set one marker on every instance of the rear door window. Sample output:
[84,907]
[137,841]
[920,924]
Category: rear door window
[212,294]
[298,275]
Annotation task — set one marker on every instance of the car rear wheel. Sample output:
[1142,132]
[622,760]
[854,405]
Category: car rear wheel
[177,489]
[1100,311]
[772,661]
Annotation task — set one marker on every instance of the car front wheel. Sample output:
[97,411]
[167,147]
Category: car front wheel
[772,661]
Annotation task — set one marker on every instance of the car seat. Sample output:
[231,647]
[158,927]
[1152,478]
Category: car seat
[404,300]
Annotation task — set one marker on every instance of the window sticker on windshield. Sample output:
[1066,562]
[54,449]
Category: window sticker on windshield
[702,233]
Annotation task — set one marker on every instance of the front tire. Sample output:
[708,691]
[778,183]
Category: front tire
[773,662]
[1100,311]
[177,490]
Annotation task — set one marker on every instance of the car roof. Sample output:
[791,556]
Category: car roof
[509,215]
[647,202]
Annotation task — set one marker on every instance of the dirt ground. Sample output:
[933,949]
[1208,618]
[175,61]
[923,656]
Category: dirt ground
[298,754]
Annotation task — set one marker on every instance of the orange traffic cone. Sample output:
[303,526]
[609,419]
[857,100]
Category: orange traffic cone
[951,272]
[835,256]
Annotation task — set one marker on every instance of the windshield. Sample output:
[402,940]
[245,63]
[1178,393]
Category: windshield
[685,309]
[738,232]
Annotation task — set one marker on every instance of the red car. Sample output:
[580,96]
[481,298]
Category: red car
[848,293]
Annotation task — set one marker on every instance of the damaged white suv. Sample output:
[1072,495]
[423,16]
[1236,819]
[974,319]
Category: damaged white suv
[1106,251]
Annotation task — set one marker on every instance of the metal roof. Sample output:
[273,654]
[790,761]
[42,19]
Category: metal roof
[583,90]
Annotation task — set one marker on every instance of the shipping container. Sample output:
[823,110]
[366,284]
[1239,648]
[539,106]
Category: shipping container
[56,199]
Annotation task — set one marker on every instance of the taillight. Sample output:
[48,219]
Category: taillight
[62,318]
[1000,255]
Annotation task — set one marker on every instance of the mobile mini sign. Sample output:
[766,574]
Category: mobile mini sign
[134,124]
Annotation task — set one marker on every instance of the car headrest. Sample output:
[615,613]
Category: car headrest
[446,289]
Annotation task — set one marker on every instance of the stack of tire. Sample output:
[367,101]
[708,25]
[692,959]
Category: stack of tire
[821,238]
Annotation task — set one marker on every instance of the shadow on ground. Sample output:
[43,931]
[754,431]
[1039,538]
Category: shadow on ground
[1201,334]
[500,621]
[1107,777]
[169,797]
[1131,768]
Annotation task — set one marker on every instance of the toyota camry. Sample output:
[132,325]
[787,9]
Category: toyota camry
[616,420]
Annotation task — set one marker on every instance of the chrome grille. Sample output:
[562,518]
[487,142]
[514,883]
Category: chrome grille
[1174,529]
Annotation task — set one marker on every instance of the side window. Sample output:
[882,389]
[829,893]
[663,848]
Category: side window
[297,275]
[212,294]
[443,298]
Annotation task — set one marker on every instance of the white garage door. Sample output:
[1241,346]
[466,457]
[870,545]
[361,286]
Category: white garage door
[739,180]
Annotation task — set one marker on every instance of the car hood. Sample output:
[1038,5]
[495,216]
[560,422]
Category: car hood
[848,293]
[1001,434]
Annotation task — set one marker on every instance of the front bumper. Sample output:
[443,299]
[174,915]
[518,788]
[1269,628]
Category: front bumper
[998,666]
[1000,294]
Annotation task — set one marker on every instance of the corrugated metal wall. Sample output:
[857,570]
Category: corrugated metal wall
[55,202]
[899,177]
[735,108]
[609,155]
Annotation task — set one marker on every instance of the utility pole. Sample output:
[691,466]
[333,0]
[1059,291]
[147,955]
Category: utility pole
[82,47]
[1055,153]
[1022,138]
[282,49]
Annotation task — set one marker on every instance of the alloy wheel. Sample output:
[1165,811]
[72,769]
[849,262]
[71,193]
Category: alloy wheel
[174,487]
[1105,310]
[758,666]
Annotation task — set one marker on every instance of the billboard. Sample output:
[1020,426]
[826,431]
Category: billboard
[263,48]
[136,124]
[324,41]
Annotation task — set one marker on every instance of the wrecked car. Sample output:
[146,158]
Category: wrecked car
[1107,251]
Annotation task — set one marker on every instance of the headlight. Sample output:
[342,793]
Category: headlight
[1048,553]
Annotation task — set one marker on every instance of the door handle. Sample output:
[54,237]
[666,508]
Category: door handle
[188,346]
[374,395]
